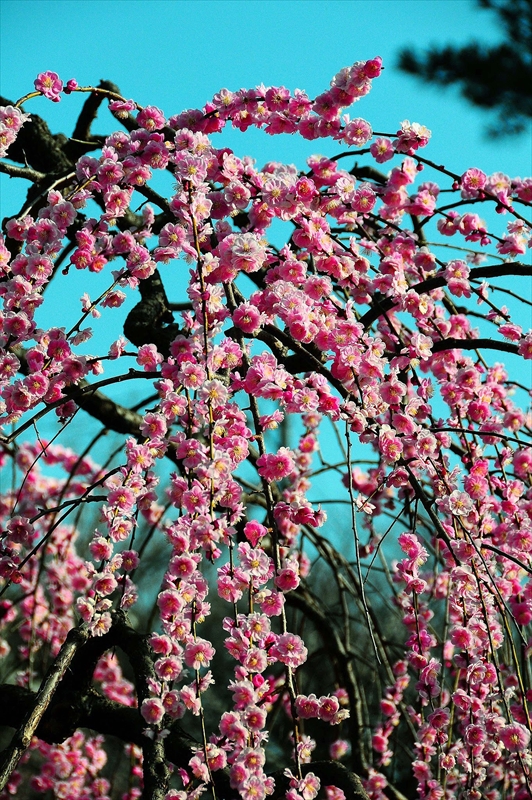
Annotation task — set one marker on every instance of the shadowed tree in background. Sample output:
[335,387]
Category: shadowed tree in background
[496,77]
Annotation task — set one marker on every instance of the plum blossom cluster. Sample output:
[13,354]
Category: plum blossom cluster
[357,325]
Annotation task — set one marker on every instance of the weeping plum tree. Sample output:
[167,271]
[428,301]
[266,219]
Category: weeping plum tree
[178,617]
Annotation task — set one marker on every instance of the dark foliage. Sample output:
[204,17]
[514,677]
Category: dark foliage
[496,78]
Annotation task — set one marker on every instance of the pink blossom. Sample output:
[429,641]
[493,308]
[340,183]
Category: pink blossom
[254,717]
[121,108]
[214,392]
[271,603]
[522,463]
[334,793]
[170,603]
[254,659]
[290,650]
[254,561]
[382,150]
[275,467]
[49,84]
[411,136]
[309,786]
[199,654]
[192,375]
[100,549]
[287,578]
[13,118]
[100,624]
[515,737]
[472,182]
[7,137]
[152,710]
[130,560]
[247,318]
[390,445]
[307,706]
[151,118]
[148,357]
[363,199]
[254,532]
[460,504]
[457,273]
[168,669]
[525,346]
[357,132]
[105,585]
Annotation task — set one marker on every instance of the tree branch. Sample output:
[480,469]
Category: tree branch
[76,638]
[382,304]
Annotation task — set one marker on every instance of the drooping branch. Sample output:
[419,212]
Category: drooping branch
[474,344]
[381,304]
[338,651]
[52,680]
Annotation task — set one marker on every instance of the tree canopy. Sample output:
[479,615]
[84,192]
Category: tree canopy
[266,486]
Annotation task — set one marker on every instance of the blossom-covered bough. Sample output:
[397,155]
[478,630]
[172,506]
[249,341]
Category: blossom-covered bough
[177,615]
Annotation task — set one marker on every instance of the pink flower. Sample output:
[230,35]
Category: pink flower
[254,532]
[151,118]
[363,199]
[255,717]
[309,786]
[357,132]
[152,710]
[515,736]
[335,793]
[49,84]
[472,182]
[525,346]
[390,445]
[460,504]
[247,318]
[105,585]
[382,150]
[168,669]
[276,466]
[199,654]
[121,108]
[254,659]
[101,624]
[288,577]
[290,650]
[253,788]
[21,531]
[307,706]
[411,136]
[170,603]
[339,748]
[130,560]
[522,463]
[457,273]
[271,603]
[100,549]
[254,562]
[191,375]
[214,392]
[148,357]
[122,498]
